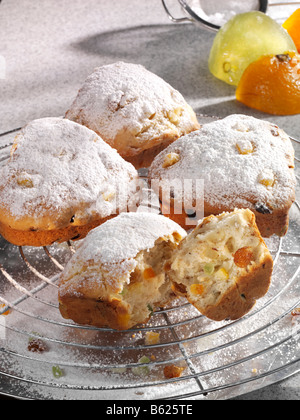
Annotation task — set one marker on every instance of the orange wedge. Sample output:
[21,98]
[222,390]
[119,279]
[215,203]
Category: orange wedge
[272,84]
[292,25]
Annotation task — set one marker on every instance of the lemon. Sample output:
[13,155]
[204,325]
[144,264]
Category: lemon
[244,39]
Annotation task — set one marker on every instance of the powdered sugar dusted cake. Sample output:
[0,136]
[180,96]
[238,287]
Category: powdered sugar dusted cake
[244,163]
[62,180]
[117,278]
[133,110]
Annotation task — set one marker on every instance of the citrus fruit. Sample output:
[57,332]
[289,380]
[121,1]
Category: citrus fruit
[272,84]
[242,40]
[292,25]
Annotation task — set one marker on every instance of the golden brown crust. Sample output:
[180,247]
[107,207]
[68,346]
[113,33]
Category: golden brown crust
[142,155]
[269,224]
[113,314]
[94,312]
[145,158]
[40,238]
[241,298]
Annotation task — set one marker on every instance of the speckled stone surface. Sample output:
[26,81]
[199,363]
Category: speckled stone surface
[49,47]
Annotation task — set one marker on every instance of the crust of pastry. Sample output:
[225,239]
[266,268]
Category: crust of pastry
[146,157]
[268,225]
[48,237]
[100,314]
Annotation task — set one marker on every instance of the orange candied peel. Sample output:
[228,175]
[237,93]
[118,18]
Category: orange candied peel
[243,257]
[2,306]
[292,25]
[296,312]
[272,84]
[149,273]
[173,371]
[197,289]
[152,338]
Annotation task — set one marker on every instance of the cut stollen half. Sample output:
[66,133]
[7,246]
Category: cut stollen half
[223,267]
[116,278]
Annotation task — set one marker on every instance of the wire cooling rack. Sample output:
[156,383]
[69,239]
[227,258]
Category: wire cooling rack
[220,360]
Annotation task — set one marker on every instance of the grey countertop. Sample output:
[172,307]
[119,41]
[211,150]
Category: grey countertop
[49,47]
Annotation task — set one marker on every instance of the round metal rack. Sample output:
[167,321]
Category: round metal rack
[220,360]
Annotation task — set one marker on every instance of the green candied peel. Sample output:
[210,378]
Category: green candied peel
[209,269]
[57,372]
[142,370]
[244,39]
[150,309]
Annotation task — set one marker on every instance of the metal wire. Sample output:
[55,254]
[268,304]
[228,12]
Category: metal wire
[194,16]
[266,338]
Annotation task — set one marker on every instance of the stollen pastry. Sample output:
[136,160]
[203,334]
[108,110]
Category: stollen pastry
[61,181]
[243,162]
[133,110]
[116,278]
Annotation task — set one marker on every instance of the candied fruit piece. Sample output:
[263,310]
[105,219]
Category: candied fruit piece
[209,269]
[174,116]
[123,320]
[272,84]
[197,289]
[211,253]
[242,40]
[173,371]
[150,309]
[267,178]
[296,312]
[57,372]
[149,273]
[25,181]
[243,257]
[245,147]
[142,370]
[6,313]
[222,274]
[171,159]
[177,237]
[292,25]
[109,196]
[152,338]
